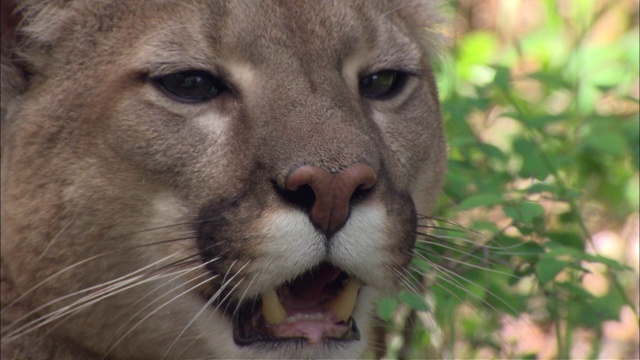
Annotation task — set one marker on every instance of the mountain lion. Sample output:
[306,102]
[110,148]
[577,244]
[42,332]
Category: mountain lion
[212,179]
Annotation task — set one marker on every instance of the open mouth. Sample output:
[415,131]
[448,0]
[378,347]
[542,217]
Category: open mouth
[313,307]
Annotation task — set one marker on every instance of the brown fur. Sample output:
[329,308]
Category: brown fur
[104,176]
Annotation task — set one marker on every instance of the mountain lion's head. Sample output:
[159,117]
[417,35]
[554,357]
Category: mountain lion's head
[202,179]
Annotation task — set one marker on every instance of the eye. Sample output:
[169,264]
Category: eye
[191,86]
[382,85]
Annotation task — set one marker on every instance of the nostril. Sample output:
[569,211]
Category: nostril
[302,197]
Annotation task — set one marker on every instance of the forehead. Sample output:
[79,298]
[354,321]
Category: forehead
[267,31]
[326,26]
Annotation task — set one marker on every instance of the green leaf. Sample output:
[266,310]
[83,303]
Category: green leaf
[612,264]
[524,212]
[415,301]
[539,122]
[502,77]
[524,146]
[541,188]
[569,239]
[534,166]
[548,267]
[608,307]
[606,142]
[558,250]
[386,307]
[492,151]
[519,274]
[529,251]
[462,140]
[480,200]
[551,79]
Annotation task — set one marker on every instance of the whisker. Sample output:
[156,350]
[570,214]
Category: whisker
[468,264]
[453,279]
[225,283]
[158,309]
[77,306]
[255,276]
[142,231]
[83,262]
[456,226]
[55,238]
[407,283]
[180,274]
[476,244]
[121,279]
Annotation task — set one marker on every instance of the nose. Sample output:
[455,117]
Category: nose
[333,192]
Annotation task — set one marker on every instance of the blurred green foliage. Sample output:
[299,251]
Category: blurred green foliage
[543,131]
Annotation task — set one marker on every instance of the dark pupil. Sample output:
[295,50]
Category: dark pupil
[190,85]
[378,84]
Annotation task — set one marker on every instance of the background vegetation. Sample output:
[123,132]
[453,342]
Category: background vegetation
[535,253]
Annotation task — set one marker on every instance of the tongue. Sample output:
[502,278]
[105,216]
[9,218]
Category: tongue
[308,291]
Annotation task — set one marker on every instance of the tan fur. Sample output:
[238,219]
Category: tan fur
[106,181]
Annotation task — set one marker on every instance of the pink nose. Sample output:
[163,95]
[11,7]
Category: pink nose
[333,192]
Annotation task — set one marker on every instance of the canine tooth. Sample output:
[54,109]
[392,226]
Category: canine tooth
[272,309]
[343,304]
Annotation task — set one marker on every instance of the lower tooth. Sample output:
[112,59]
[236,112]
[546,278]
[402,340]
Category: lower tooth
[304,317]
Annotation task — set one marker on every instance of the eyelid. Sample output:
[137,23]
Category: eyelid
[161,72]
[407,69]
[204,88]
[159,67]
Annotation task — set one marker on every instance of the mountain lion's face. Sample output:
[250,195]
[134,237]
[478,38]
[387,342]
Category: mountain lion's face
[193,179]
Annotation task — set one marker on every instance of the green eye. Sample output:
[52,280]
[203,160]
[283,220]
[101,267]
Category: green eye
[191,86]
[382,85]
